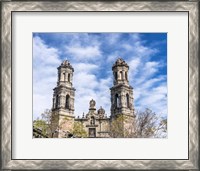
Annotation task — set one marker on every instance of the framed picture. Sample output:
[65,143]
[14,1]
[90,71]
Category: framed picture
[95,85]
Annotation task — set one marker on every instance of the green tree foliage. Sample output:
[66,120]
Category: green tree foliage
[41,126]
[48,123]
[78,130]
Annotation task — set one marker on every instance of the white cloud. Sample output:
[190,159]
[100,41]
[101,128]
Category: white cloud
[92,89]
[151,82]
[111,58]
[139,48]
[151,64]
[88,87]
[40,103]
[127,46]
[150,68]
[136,37]
[112,38]
[84,80]
[144,51]
[155,98]
[42,54]
[145,71]
[134,65]
[150,91]
[45,62]
[84,53]
[85,67]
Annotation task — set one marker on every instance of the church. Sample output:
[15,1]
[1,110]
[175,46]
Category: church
[95,123]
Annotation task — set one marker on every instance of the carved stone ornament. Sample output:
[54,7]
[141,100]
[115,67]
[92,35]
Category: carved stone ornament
[92,103]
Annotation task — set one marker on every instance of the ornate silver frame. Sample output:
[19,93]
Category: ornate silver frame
[7,6]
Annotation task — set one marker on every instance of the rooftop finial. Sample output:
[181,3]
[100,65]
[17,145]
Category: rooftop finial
[120,62]
[92,104]
[66,64]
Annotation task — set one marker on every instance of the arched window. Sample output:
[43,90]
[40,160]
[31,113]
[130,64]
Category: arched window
[127,100]
[64,77]
[92,121]
[126,76]
[67,102]
[116,100]
[57,101]
[69,77]
[121,75]
[115,75]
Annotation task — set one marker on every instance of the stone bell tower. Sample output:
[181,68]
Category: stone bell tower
[122,95]
[63,100]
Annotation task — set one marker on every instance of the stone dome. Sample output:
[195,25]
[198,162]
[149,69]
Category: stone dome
[101,111]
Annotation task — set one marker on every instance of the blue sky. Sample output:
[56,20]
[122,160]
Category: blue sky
[92,56]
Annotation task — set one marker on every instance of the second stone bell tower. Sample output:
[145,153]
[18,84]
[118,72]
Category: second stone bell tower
[122,94]
[63,100]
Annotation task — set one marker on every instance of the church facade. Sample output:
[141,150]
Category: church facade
[95,123]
